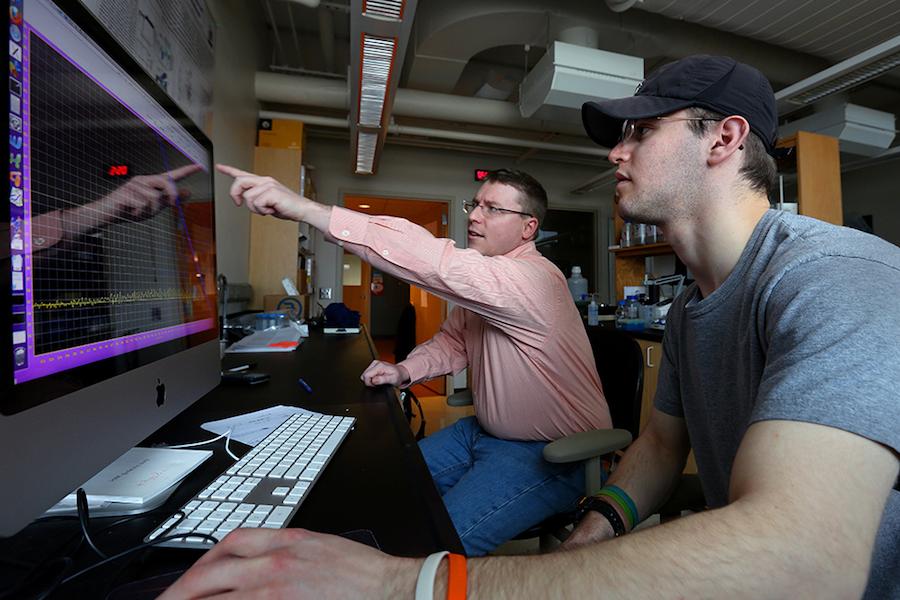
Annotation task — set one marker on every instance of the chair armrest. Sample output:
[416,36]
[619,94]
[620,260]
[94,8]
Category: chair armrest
[586,444]
[461,398]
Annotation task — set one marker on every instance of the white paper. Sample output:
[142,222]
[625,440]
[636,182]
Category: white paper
[251,428]
[284,339]
[140,475]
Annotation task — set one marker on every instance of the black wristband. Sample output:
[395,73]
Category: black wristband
[593,503]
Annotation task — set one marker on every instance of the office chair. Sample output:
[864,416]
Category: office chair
[620,365]
[404,343]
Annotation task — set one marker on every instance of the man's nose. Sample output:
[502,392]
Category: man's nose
[619,153]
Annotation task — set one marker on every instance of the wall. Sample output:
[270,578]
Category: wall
[874,191]
[233,130]
[434,174]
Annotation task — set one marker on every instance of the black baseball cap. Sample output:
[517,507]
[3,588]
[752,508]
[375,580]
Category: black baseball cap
[716,83]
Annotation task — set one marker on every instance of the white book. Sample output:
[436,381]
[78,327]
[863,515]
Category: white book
[140,475]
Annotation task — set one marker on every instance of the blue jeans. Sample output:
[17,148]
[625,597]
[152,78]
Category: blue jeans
[495,489]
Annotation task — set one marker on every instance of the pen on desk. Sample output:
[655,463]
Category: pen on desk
[241,367]
[304,385]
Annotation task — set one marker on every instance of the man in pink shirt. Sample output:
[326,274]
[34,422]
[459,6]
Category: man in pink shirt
[515,326]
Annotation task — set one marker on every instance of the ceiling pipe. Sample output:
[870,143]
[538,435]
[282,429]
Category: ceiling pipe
[444,134]
[309,3]
[313,91]
[326,36]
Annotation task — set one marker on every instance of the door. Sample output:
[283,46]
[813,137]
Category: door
[380,312]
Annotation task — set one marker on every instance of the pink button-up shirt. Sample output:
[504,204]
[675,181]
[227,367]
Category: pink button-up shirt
[533,373]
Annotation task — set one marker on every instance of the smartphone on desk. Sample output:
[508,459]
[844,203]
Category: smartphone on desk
[244,378]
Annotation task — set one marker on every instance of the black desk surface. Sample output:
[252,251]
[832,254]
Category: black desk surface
[377,481]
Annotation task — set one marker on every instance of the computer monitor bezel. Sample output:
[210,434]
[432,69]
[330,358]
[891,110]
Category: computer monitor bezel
[54,446]
[25,395]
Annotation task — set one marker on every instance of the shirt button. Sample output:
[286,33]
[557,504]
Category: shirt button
[385,252]
[345,232]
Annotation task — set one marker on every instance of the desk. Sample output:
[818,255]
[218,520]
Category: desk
[377,481]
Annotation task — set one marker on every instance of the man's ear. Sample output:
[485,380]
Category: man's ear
[530,228]
[731,134]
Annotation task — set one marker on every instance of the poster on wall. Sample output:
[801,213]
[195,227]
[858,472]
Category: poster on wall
[377,285]
[174,40]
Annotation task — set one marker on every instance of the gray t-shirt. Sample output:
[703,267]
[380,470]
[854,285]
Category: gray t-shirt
[805,328]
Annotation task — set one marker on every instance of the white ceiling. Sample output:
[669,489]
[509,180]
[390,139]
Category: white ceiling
[458,46]
[830,29]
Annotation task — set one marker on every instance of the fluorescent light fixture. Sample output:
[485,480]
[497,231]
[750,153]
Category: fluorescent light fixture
[846,74]
[388,9]
[377,58]
[365,206]
[365,152]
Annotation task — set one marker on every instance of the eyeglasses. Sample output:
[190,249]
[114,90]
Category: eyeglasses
[490,211]
[630,129]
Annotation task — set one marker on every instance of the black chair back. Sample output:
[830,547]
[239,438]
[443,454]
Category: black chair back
[620,364]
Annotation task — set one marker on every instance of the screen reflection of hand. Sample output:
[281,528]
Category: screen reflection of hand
[145,195]
[141,197]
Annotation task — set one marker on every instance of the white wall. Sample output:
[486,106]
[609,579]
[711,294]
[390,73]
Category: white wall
[433,174]
[233,133]
[875,191]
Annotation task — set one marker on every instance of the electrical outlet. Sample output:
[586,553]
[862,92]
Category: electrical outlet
[324,293]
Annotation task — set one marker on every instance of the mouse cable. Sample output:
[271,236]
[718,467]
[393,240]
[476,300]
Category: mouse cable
[226,435]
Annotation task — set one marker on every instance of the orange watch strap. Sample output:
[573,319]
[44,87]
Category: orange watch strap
[456,587]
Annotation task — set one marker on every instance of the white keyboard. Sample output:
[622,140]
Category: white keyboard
[265,487]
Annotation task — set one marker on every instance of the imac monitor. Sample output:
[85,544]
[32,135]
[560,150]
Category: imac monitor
[107,259]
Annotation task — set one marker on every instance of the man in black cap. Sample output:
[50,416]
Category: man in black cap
[790,408]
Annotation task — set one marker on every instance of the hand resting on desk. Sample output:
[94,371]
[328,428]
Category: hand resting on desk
[380,373]
[294,563]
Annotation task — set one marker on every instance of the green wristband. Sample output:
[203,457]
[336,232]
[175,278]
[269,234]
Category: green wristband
[616,495]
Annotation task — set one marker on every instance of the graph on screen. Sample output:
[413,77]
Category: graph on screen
[116,231]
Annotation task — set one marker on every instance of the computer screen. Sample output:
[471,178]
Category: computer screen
[108,258]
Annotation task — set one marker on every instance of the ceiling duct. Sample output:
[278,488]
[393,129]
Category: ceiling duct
[569,75]
[861,130]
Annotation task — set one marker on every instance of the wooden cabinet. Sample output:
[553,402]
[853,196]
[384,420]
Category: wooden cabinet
[652,354]
[816,162]
[273,242]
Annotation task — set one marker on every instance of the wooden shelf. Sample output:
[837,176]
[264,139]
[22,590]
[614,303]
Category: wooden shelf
[642,250]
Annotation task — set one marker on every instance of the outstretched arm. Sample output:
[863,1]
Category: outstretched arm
[789,532]
[510,294]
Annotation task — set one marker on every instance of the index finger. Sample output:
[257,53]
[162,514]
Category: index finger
[231,171]
[182,172]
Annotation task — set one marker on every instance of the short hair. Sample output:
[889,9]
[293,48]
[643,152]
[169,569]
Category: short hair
[759,169]
[532,195]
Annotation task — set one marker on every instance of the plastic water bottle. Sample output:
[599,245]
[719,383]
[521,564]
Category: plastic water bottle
[593,312]
[577,284]
[633,320]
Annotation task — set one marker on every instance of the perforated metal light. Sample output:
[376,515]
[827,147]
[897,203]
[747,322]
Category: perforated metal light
[365,152]
[388,9]
[377,59]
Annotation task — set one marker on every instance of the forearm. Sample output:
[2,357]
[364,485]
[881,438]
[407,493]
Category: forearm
[49,229]
[649,472]
[733,552]
[434,358]
[317,215]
